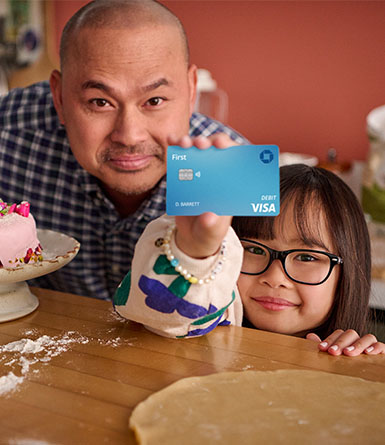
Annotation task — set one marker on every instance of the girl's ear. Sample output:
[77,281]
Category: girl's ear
[55,82]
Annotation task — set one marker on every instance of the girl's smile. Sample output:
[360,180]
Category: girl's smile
[274,304]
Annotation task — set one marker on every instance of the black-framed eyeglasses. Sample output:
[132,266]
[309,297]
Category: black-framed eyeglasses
[305,266]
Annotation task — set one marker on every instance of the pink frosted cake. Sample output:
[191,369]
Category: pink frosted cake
[18,237]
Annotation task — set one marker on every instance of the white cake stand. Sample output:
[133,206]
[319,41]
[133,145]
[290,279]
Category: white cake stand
[16,299]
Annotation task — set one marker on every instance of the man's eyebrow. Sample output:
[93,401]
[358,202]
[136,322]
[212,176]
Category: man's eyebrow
[156,84]
[103,87]
[96,85]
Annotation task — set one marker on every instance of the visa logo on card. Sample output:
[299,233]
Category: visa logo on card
[241,181]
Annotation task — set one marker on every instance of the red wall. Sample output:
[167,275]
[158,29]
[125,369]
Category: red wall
[300,74]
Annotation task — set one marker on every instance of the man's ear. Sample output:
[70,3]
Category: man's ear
[55,82]
[192,78]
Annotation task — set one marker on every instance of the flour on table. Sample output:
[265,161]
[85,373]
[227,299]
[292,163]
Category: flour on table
[25,353]
[247,367]
[117,341]
[9,382]
[114,316]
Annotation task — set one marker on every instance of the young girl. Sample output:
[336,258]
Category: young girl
[305,272]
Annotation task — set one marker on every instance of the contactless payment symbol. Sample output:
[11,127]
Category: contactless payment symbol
[266,156]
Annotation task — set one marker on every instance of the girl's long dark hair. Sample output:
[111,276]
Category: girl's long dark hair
[315,191]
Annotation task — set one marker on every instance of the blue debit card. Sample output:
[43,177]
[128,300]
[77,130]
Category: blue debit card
[240,181]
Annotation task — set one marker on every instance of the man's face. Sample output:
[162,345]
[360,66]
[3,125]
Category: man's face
[121,95]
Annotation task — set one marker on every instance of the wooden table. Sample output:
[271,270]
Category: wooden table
[85,395]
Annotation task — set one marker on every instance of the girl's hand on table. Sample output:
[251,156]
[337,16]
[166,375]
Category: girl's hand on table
[201,236]
[348,343]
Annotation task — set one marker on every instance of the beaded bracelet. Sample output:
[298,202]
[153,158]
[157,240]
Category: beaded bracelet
[165,244]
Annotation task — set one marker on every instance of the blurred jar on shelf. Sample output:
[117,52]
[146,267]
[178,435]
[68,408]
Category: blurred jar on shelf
[332,163]
[350,171]
[373,189]
[211,100]
[373,181]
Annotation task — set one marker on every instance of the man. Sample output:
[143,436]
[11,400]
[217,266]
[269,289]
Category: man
[89,153]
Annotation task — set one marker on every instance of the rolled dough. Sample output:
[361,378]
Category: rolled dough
[267,407]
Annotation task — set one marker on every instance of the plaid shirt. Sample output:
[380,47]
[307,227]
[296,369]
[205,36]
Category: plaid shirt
[37,165]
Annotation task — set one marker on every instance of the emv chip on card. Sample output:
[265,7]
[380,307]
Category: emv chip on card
[241,180]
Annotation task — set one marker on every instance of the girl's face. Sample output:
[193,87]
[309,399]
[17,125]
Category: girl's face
[272,301]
